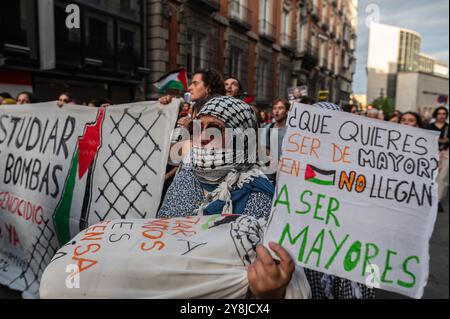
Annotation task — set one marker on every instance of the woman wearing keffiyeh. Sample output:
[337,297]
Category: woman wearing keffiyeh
[222,177]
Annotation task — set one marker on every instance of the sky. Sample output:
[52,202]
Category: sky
[430,18]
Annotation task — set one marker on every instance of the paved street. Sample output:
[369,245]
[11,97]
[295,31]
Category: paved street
[438,282]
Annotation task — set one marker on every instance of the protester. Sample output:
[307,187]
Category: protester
[280,112]
[372,113]
[64,98]
[265,119]
[93,103]
[308,100]
[4,96]
[26,98]
[395,118]
[208,185]
[185,110]
[411,119]
[8,101]
[440,116]
[233,87]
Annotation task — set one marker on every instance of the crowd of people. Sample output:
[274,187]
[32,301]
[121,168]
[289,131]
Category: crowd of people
[215,177]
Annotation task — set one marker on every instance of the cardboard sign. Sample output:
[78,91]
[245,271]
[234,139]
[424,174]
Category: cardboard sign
[62,170]
[357,198]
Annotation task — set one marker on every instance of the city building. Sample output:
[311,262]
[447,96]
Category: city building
[270,45]
[121,47]
[100,58]
[396,69]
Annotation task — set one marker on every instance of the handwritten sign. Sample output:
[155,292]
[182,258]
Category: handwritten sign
[62,170]
[187,257]
[357,198]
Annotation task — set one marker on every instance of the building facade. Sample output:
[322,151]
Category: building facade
[401,72]
[421,92]
[101,56]
[121,47]
[269,45]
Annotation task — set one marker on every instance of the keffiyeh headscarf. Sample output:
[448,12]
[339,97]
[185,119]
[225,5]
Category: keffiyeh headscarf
[229,174]
[212,165]
[328,106]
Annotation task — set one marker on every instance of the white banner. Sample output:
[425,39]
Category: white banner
[62,170]
[357,198]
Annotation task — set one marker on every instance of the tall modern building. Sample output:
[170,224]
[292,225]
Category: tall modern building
[398,70]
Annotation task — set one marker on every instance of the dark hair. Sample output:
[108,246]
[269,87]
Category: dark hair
[419,119]
[395,116]
[213,80]
[68,95]
[6,95]
[30,95]
[308,100]
[284,101]
[435,113]
[241,88]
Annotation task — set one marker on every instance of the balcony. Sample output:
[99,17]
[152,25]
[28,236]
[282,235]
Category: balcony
[239,14]
[332,33]
[332,69]
[315,13]
[287,42]
[346,73]
[267,30]
[308,54]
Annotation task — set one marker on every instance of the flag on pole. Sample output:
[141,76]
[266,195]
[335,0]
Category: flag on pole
[176,80]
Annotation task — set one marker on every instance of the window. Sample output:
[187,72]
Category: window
[196,52]
[107,40]
[238,64]
[99,39]
[285,80]
[302,37]
[286,39]
[323,52]
[330,57]
[239,10]
[265,77]
[131,9]
[67,41]
[18,28]
[129,46]
[324,12]
[265,18]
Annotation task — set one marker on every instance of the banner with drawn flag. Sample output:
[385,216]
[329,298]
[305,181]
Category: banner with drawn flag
[65,169]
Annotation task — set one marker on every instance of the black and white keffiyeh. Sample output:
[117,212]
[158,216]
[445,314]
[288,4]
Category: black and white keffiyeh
[235,113]
[213,165]
[328,106]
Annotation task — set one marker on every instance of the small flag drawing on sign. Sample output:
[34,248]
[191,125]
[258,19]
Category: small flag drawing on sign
[319,176]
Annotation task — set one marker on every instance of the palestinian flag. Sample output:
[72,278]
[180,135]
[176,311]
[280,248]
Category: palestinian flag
[176,80]
[319,176]
[249,99]
[71,214]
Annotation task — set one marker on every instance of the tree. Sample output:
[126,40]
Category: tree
[383,103]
